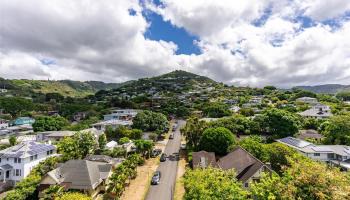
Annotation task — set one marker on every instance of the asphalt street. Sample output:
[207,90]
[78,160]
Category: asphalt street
[168,169]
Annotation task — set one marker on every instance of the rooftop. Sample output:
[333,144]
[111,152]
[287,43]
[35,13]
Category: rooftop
[308,147]
[26,149]
[79,174]
[114,122]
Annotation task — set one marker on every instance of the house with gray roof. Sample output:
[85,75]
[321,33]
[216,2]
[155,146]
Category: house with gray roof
[247,167]
[87,176]
[17,161]
[339,154]
[203,159]
[318,111]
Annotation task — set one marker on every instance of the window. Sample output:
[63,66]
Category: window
[0,160]
[36,156]
[47,152]
[31,158]
[316,154]
[246,185]
[51,151]
[17,160]
[18,172]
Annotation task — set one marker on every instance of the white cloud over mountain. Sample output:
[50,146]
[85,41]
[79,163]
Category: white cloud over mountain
[251,42]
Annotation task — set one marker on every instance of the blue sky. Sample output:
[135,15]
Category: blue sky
[164,30]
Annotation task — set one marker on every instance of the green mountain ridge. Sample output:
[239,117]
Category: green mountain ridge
[24,87]
[326,89]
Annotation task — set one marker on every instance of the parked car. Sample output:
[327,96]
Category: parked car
[176,156]
[171,136]
[183,146]
[156,152]
[163,157]
[156,178]
[174,128]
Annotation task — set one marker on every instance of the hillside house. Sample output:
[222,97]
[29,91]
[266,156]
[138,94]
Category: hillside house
[89,177]
[308,100]
[338,154]
[114,123]
[23,121]
[318,111]
[17,161]
[3,124]
[248,168]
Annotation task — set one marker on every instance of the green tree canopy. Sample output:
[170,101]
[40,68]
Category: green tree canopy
[15,105]
[217,140]
[102,141]
[280,123]
[150,121]
[46,123]
[216,110]
[78,146]
[337,130]
[212,184]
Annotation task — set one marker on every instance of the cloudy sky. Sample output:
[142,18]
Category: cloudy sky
[241,42]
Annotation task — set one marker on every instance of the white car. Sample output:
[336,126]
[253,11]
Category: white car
[183,146]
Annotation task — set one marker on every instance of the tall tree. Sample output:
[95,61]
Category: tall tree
[280,123]
[102,141]
[12,140]
[337,130]
[217,140]
[151,121]
[193,131]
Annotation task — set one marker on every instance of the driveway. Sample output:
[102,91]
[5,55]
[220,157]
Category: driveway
[168,169]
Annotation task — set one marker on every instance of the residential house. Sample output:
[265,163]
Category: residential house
[256,100]
[105,159]
[17,130]
[77,117]
[3,124]
[121,114]
[53,136]
[308,100]
[3,90]
[318,111]
[235,109]
[17,161]
[23,121]
[203,159]
[309,134]
[87,176]
[111,145]
[247,167]
[114,123]
[338,154]
[19,139]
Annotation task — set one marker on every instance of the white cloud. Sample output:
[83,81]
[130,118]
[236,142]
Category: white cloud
[322,10]
[101,40]
[279,51]
[97,40]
